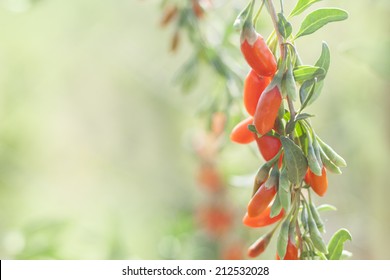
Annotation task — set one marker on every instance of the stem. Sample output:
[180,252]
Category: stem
[274,18]
[258,13]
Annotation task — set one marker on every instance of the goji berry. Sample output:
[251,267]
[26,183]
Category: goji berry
[319,184]
[267,110]
[291,253]
[261,200]
[241,134]
[263,219]
[256,52]
[259,246]
[254,86]
[268,146]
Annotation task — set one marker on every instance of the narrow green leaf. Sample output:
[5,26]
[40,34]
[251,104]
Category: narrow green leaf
[283,239]
[312,161]
[252,128]
[317,19]
[273,179]
[284,189]
[301,6]
[261,176]
[317,218]
[240,20]
[331,154]
[326,207]
[317,151]
[307,72]
[304,218]
[328,164]
[303,116]
[324,60]
[315,236]
[284,26]
[305,89]
[289,83]
[336,244]
[310,95]
[295,160]
[290,126]
[276,207]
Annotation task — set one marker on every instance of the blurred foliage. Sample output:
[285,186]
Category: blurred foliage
[94,136]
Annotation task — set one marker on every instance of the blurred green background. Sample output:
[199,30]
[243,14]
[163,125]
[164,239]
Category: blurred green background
[94,151]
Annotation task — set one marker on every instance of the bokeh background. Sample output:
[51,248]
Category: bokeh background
[95,157]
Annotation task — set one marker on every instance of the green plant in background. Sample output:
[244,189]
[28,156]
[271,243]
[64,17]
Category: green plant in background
[297,159]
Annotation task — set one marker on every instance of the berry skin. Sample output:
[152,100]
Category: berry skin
[254,86]
[241,134]
[260,200]
[268,146]
[263,219]
[267,110]
[256,52]
[319,184]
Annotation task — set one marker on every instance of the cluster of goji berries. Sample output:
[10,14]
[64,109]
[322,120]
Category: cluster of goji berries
[289,153]
[262,103]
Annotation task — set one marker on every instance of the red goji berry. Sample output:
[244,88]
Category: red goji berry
[254,86]
[267,110]
[259,246]
[291,253]
[319,184]
[257,53]
[263,219]
[260,200]
[268,146]
[241,134]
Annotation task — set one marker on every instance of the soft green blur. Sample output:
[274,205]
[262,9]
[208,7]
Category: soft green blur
[94,150]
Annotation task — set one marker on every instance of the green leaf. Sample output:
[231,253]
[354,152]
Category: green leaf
[301,6]
[261,176]
[242,16]
[276,207]
[328,164]
[289,83]
[284,26]
[305,89]
[290,126]
[307,72]
[282,241]
[284,189]
[303,116]
[317,19]
[317,151]
[317,218]
[295,160]
[331,154]
[326,207]
[312,161]
[310,95]
[324,60]
[315,235]
[252,128]
[273,179]
[304,218]
[336,244]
